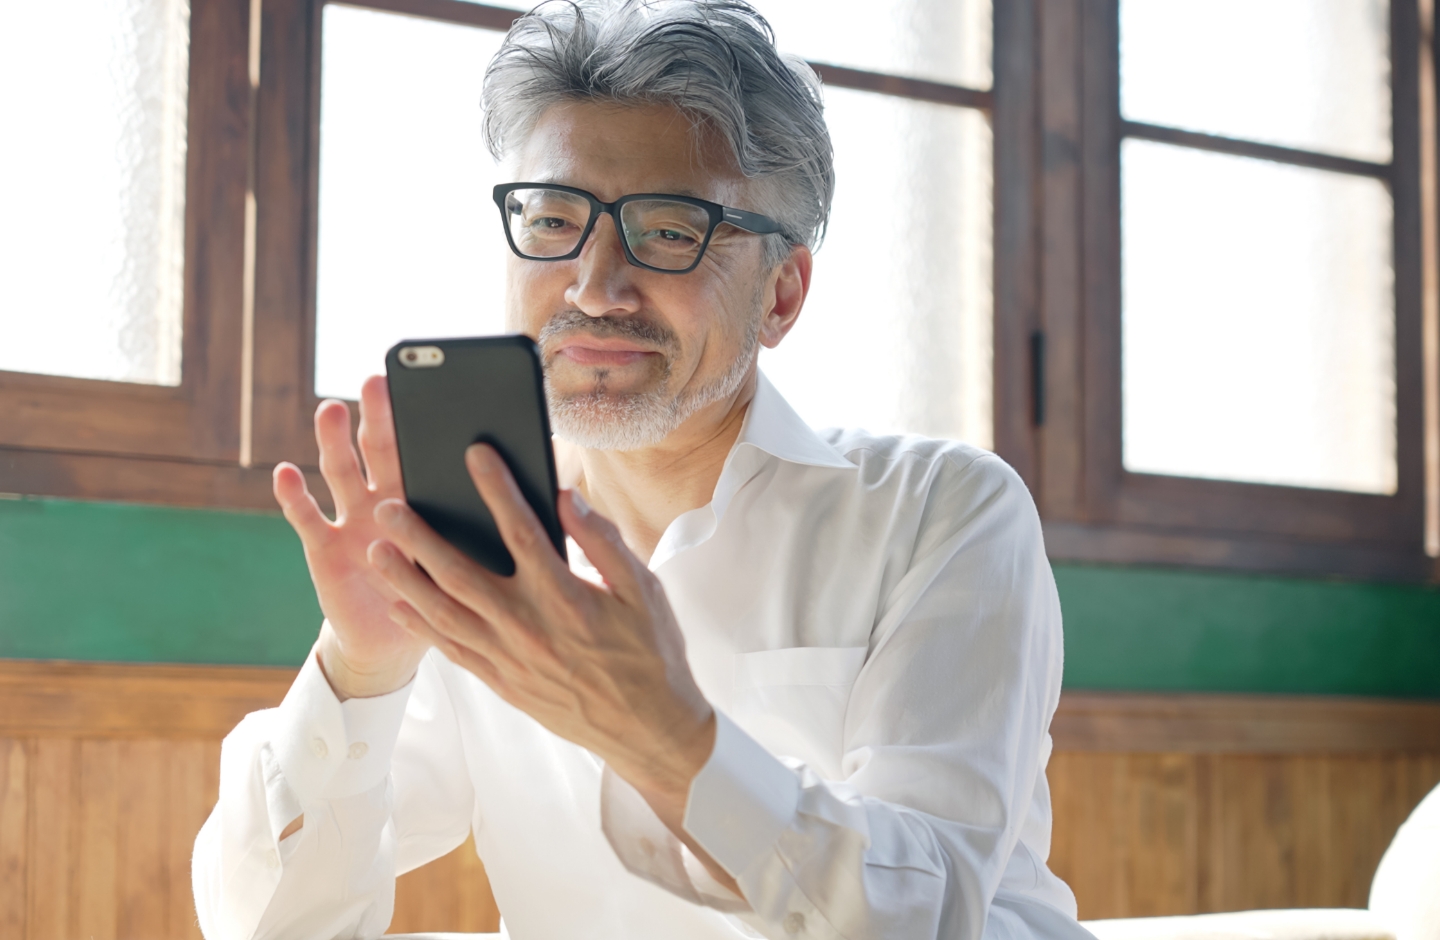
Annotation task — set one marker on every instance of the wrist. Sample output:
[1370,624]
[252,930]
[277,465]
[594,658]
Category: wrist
[349,679]
[664,778]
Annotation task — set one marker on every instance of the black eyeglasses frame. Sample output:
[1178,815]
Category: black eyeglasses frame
[752,222]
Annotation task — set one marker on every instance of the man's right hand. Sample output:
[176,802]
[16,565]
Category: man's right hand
[362,651]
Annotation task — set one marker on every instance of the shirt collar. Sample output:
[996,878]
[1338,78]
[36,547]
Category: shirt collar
[773,426]
[771,430]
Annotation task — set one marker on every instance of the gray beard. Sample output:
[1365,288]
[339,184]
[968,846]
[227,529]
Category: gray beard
[599,420]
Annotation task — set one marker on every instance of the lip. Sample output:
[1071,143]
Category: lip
[594,351]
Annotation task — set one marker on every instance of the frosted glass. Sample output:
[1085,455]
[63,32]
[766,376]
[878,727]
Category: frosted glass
[1258,321]
[896,333]
[410,243]
[93,98]
[1311,74]
[942,40]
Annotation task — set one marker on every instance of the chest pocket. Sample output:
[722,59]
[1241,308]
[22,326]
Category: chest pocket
[793,700]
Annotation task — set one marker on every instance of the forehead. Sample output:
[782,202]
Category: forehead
[612,150]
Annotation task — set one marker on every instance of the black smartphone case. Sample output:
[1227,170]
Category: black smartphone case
[488,390]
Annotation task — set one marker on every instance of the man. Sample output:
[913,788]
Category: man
[789,684]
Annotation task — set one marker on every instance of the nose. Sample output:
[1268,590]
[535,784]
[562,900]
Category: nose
[604,282]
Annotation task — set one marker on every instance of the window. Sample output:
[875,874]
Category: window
[122,251]
[1230,321]
[1059,231]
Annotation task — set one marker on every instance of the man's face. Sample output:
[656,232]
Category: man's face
[630,354]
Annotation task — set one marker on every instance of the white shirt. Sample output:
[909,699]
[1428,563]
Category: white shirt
[876,624]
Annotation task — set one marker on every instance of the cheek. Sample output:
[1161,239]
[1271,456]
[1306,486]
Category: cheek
[533,292]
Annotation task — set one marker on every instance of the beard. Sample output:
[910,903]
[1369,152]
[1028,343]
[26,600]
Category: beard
[602,419]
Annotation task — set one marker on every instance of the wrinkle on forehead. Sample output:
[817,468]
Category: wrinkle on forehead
[612,149]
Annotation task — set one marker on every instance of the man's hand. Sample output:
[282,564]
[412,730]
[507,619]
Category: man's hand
[362,651]
[603,667]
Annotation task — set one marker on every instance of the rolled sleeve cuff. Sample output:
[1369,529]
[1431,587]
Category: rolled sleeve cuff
[327,749]
[741,801]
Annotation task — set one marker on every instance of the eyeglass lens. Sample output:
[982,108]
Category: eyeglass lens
[548,223]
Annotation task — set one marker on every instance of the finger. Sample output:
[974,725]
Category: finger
[602,543]
[377,437]
[450,618]
[519,526]
[339,464]
[454,572]
[299,507]
[412,622]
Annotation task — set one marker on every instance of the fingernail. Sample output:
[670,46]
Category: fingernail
[388,511]
[482,457]
[582,508]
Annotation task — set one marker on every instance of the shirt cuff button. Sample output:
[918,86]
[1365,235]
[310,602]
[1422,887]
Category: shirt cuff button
[358,750]
[794,922]
[319,748]
[272,859]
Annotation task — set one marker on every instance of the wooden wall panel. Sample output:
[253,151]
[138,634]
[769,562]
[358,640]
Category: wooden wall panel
[1163,804]
[1139,835]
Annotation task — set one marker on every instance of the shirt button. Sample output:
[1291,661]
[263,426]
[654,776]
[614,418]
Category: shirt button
[794,922]
[272,859]
[647,847]
[358,750]
[319,748]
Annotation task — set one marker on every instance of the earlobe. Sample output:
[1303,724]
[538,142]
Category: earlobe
[789,285]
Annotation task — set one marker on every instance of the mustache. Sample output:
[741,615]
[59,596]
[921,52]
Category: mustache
[637,327]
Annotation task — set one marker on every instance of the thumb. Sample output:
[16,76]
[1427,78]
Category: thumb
[600,540]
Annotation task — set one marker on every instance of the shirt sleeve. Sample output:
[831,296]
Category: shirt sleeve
[944,749]
[381,786]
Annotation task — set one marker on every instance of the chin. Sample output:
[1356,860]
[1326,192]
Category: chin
[607,421]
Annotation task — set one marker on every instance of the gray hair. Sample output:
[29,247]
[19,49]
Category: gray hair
[714,60]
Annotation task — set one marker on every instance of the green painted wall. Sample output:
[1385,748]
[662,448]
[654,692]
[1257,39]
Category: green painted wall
[131,583]
[100,581]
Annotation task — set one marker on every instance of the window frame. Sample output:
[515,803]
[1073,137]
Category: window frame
[1067,441]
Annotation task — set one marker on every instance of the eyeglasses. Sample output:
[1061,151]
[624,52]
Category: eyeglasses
[546,222]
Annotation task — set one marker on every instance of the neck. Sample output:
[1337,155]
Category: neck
[643,491]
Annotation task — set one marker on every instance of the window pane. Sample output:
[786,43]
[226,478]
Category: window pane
[92,188]
[410,241]
[941,40]
[896,332]
[1312,74]
[1258,321]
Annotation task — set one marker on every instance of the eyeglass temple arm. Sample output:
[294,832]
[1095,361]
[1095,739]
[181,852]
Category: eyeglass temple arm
[751,221]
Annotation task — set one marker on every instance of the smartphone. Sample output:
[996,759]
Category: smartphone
[450,393]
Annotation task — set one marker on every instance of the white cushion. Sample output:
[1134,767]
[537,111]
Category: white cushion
[1306,924]
[1406,889]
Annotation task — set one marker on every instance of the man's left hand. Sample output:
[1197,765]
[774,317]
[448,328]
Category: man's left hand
[603,667]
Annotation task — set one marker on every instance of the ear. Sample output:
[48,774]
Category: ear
[784,295]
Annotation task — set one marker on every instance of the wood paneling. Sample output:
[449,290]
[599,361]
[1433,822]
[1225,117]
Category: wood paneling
[107,773]
[1151,834]
[1164,804]
[1256,724]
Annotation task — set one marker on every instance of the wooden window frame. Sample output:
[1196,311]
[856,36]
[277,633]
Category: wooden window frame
[1060,264]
